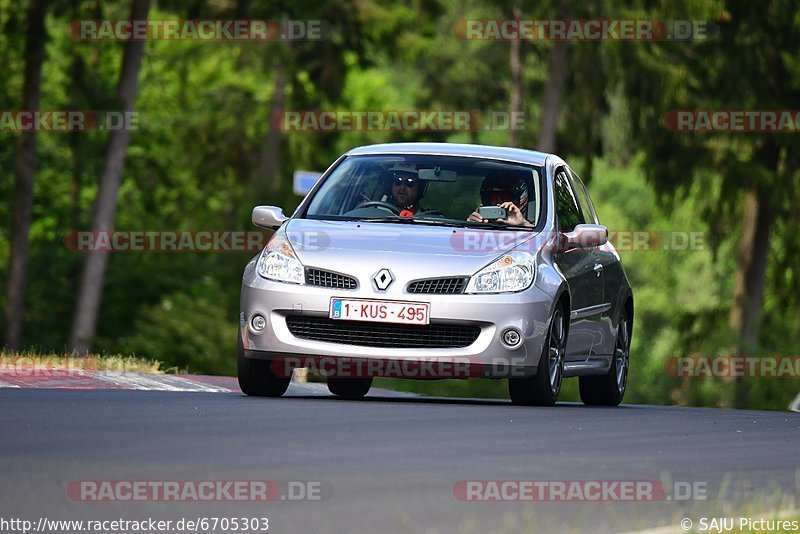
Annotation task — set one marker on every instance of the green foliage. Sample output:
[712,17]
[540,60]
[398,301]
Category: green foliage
[191,330]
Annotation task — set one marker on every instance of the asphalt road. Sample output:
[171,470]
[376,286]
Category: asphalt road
[388,464]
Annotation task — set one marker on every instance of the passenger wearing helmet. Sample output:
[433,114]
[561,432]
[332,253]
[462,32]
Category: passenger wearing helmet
[407,189]
[507,192]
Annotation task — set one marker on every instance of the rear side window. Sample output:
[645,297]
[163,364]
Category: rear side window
[567,211]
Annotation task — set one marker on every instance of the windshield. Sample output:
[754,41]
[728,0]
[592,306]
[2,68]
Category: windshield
[431,190]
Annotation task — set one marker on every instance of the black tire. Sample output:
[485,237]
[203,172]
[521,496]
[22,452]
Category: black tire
[351,388]
[256,377]
[608,390]
[543,388]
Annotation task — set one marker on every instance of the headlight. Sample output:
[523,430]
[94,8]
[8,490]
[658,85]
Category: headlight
[278,262]
[513,271]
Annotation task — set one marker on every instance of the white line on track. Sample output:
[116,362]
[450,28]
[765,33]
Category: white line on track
[795,404]
[155,382]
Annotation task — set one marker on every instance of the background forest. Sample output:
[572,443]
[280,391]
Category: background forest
[205,152]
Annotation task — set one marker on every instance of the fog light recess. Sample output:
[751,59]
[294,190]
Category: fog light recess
[511,338]
[258,323]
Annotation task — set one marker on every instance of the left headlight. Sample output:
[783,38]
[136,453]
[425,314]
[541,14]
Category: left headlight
[279,262]
[513,271]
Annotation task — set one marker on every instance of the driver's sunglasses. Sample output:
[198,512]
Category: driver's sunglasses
[408,182]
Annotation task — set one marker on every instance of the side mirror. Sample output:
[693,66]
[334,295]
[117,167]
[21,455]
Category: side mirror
[268,217]
[587,236]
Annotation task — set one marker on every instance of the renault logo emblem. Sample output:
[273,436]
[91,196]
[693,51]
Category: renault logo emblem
[383,279]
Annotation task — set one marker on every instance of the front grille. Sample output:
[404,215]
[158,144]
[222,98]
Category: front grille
[320,277]
[382,334]
[438,285]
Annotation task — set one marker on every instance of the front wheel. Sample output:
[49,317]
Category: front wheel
[256,377]
[351,388]
[543,388]
[608,390]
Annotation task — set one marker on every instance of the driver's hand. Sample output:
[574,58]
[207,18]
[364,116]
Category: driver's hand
[514,215]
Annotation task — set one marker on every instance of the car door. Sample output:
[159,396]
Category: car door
[611,272]
[583,271]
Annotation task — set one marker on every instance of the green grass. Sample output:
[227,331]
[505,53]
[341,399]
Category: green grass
[91,362]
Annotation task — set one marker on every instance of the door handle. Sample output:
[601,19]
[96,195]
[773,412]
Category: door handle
[598,268]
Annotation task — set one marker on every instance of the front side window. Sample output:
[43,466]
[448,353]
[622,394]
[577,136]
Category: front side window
[584,202]
[424,188]
[567,211]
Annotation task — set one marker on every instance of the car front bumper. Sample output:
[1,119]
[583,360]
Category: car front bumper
[528,312]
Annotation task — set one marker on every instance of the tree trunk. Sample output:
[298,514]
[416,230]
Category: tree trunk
[267,179]
[91,285]
[751,269]
[554,88]
[23,188]
[551,103]
[76,140]
[748,293]
[515,64]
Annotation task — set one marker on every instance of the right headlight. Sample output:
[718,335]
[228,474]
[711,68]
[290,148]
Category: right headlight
[513,271]
[279,262]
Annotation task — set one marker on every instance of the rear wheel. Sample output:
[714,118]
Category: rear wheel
[608,390]
[256,377]
[543,388]
[351,388]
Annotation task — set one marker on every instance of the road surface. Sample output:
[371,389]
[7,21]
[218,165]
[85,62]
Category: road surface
[388,463]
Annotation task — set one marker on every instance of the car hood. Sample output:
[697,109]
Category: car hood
[420,250]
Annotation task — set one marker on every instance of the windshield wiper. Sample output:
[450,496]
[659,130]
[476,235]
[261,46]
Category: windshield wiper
[393,218]
[442,222]
[498,225]
[439,222]
[413,220]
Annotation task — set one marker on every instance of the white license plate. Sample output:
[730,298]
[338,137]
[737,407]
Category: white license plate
[380,311]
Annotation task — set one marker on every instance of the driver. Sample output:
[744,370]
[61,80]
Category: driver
[507,192]
[407,189]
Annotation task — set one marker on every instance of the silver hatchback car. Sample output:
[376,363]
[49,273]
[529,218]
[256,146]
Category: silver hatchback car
[437,260]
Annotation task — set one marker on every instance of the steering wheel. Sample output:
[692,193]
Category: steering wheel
[379,204]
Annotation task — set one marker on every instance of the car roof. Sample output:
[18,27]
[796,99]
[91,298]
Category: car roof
[518,155]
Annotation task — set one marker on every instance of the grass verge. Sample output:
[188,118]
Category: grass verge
[91,362]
